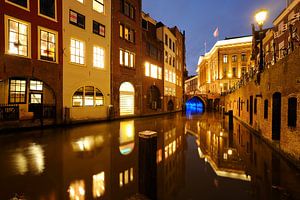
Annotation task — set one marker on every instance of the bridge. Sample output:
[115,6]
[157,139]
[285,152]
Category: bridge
[206,101]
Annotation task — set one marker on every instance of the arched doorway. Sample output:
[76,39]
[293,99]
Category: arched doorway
[126,99]
[276,116]
[170,105]
[195,105]
[154,98]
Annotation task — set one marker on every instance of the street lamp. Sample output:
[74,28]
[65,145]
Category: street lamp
[260,18]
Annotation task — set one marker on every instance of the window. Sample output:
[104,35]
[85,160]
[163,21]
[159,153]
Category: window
[292,112]
[36,85]
[17,91]
[98,5]
[170,43]
[126,99]
[22,3]
[98,57]
[166,39]
[281,49]
[244,57]
[88,96]
[234,72]
[153,71]
[127,9]
[255,105]
[98,28]
[145,24]
[225,59]
[77,19]
[173,46]
[81,1]
[18,33]
[127,33]
[266,105]
[234,58]
[166,75]
[47,45]
[47,8]
[166,57]
[77,51]
[127,58]
[244,70]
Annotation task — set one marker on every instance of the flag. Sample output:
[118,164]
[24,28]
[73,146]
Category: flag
[216,33]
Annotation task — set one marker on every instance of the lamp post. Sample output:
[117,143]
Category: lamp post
[260,18]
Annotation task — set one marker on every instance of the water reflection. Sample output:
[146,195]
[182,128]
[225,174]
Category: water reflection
[110,161]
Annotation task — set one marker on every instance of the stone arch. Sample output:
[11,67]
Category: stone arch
[154,97]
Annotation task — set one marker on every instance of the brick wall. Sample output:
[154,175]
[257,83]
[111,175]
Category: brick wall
[281,77]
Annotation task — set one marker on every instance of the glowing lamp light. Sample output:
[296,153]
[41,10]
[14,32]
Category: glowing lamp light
[261,16]
[229,152]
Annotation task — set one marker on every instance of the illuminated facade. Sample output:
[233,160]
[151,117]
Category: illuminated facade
[224,64]
[174,65]
[86,69]
[30,63]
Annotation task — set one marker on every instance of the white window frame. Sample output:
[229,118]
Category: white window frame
[98,58]
[6,24]
[76,55]
[39,43]
[98,2]
[47,17]
[17,5]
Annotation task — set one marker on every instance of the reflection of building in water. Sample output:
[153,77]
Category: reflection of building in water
[124,161]
[126,137]
[215,146]
[170,160]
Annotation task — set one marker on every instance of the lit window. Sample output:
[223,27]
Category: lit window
[98,5]
[88,96]
[153,71]
[166,75]
[77,51]
[225,59]
[47,45]
[127,58]
[17,91]
[147,69]
[35,98]
[121,179]
[126,99]
[81,1]
[159,73]
[98,28]
[127,33]
[36,85]
[47,8]
[121,30]
[18,37]
[98,57]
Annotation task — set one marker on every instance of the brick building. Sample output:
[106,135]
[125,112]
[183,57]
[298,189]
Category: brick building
[30,61]
[126,70]
[153,65]
[191,85]
[269,101]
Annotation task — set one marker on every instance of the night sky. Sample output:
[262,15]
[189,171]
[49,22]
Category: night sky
[200,18]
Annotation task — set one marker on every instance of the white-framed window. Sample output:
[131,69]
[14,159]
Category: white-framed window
[153,71]
[21,4]
[98,5]
[81,1]
[17,91]
[18,36]
[47,8]
[87,96]
[225,58]
[126,99]
[98,57]
[166,75]
[47,44]
[127,58]
[77,51]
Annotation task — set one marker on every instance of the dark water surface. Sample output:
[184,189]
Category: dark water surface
[193,157]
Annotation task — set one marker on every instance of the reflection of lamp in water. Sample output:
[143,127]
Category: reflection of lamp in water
[126,137]
[87,143]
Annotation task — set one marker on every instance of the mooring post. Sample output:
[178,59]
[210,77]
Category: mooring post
[147,164]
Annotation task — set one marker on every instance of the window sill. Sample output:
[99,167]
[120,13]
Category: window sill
[17,55]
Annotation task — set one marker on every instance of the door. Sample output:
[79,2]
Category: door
[276,116]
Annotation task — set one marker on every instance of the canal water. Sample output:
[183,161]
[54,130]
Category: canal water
[194,156]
